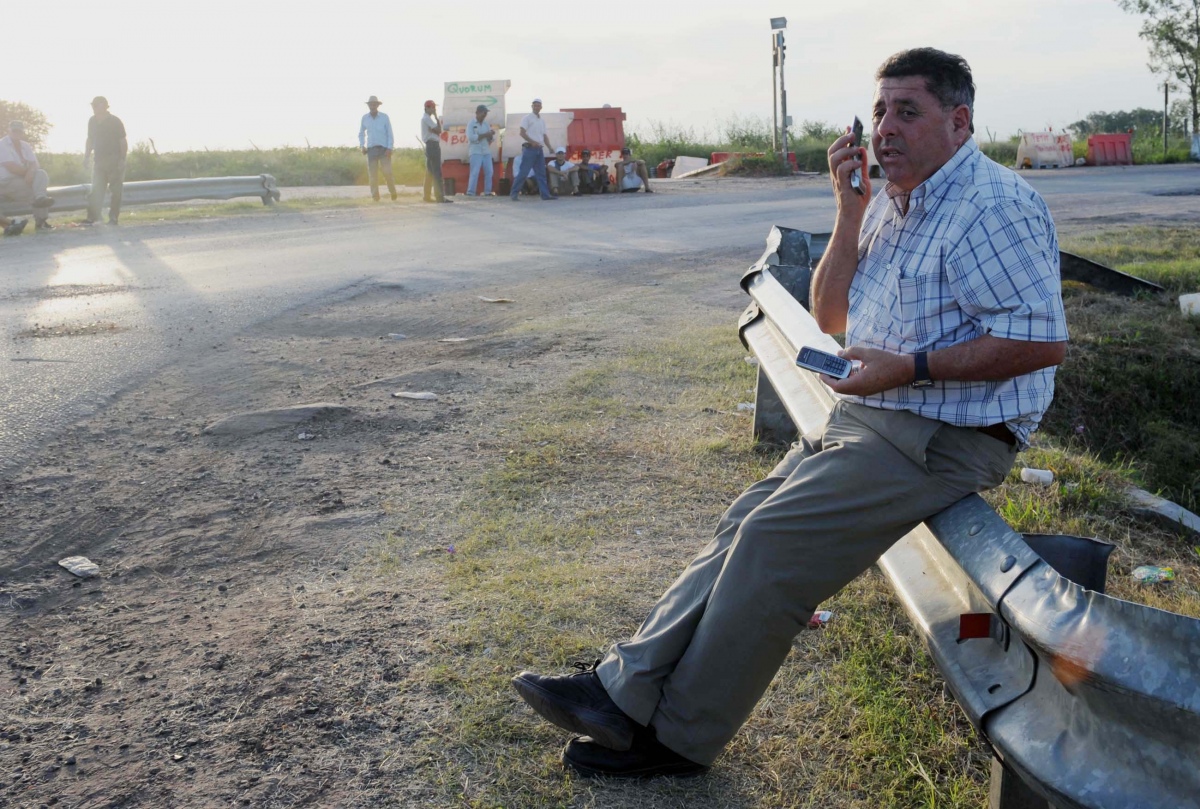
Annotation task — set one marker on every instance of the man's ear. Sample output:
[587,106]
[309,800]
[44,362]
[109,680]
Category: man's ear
[961,118]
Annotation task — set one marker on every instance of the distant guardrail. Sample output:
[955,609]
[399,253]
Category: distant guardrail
[1086,701]
[149,192]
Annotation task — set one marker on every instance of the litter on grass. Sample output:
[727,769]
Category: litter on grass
[424,396]
[1151,574]
[819,619]
[1040,477]
[81,566]
[495,300]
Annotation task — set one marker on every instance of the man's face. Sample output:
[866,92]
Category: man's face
[374,108]
[480,115]
[430,109]
[537,107]
[17,135]
[99,109]
[913,136]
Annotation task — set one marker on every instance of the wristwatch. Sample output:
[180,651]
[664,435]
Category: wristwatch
[921,377]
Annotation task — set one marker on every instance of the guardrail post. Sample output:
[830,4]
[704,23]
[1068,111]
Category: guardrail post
[772,424]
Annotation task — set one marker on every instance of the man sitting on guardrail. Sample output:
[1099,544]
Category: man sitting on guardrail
[23,182]
[947,288]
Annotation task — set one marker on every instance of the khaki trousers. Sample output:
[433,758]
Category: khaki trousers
[713,642]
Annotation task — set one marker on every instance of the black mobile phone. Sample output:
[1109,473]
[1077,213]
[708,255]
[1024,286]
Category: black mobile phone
[822,362]
[856,176]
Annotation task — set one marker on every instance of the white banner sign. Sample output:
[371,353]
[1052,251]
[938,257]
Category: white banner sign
[458,110]
[1041,150]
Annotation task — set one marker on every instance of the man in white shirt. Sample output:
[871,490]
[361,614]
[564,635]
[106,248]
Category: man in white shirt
[632,174]
[479,148]
[376,141]
[563,173]
[533,159]
[23,182]
[431,136]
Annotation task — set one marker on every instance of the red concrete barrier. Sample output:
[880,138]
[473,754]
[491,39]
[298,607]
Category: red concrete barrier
[1110,150]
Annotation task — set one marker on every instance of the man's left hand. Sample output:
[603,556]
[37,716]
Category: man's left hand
[880,371]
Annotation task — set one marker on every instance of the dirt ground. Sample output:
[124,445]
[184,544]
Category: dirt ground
[242,644]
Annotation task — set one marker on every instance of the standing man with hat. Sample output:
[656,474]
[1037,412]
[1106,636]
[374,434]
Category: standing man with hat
[431,136]
[376,142]
[533,159]
[479,147]
[22,180]
[107,141]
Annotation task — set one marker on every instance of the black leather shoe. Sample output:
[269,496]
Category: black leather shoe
[645,759]
[578,703]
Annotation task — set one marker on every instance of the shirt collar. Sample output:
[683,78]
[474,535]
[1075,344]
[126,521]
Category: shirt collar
[936,184]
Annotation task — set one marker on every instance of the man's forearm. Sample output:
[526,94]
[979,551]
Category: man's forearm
[829,294]
[992,359]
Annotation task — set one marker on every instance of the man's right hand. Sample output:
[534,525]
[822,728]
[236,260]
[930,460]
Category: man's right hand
[843,159]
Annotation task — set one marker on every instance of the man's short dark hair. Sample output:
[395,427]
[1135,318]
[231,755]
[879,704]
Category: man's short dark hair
[947,75]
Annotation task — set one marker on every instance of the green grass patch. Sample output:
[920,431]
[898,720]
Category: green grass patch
[1126,390]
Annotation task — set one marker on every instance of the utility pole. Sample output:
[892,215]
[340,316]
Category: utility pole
[783,94]
[774,96]
[777,54]
[1166,118]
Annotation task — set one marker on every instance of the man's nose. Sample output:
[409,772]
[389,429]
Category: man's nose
[886,126]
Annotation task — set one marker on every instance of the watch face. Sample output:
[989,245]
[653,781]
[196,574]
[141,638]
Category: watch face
[923,383]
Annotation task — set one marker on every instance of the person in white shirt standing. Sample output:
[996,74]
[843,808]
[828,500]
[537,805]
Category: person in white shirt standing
[22,181]
[479,146]
[533,159]
[376,141]
[431,136]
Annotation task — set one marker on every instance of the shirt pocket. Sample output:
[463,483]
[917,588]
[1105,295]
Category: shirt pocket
[924,298]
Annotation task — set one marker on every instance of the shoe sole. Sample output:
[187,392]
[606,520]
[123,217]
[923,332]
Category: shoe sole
[665,770]
[583,721]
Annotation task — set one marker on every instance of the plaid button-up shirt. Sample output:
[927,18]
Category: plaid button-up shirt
[974,254]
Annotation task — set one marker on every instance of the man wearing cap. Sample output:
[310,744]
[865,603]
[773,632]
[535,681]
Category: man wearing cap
[22,181]
[533,159]
[479,148]
[106,140]
[431,136]
[593,177]
[631,174]
[563,173]
[376,141]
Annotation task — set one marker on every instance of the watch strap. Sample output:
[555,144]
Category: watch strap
[921,377]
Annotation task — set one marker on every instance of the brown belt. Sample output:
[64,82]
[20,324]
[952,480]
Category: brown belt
[1000,432]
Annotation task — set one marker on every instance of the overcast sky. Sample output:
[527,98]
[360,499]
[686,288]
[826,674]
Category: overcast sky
[223,74]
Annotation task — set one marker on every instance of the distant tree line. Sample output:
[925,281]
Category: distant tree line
[1141,120]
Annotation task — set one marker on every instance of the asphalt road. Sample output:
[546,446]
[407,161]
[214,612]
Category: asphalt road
[86,313]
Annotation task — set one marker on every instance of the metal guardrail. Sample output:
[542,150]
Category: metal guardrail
[1086,701]
[149,192]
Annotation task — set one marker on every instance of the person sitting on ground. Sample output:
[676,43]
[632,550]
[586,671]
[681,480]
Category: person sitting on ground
[631,174]
[593,177]
[12,227]
[562,173]
[23,183]
[947,287]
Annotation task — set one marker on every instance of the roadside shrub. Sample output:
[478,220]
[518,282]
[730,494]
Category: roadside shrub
[769,166]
